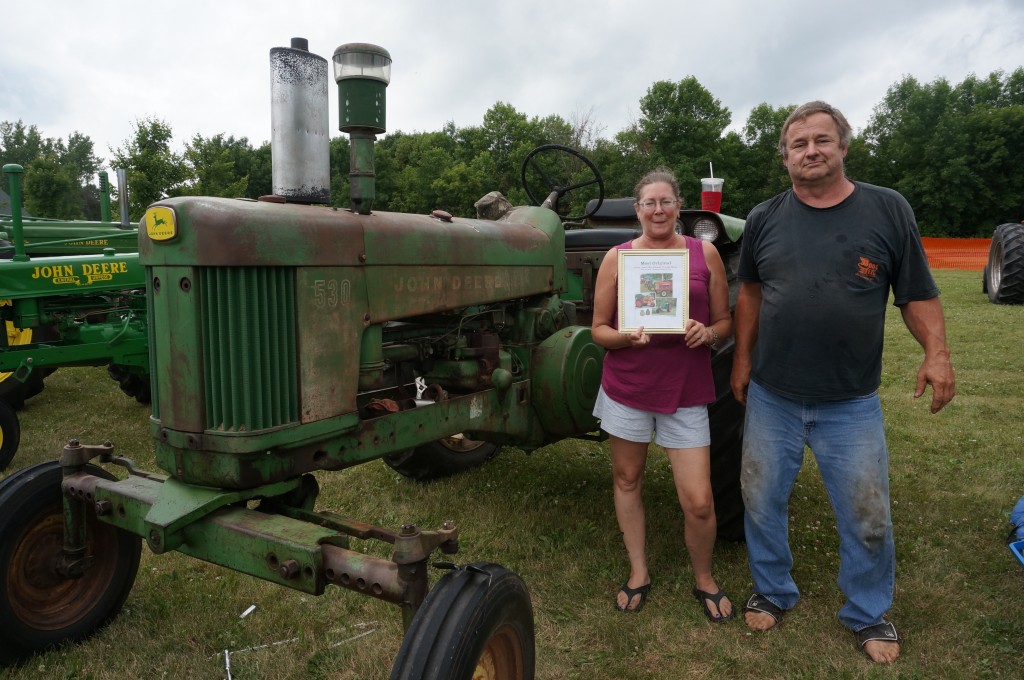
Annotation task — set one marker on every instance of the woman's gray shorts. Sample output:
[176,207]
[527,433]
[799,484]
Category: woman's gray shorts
[687,428]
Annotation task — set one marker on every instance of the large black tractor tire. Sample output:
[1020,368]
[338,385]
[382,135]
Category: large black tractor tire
[134,386]
[726,416]
[1004,273]
[12,390]
[477,622]
[443,458]
[10,435]
[39,608]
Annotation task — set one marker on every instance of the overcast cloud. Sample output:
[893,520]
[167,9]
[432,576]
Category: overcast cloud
[203,66]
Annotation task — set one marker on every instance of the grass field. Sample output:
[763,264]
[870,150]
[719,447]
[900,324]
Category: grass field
[548,516]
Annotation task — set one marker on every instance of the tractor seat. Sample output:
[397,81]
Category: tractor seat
[617,211]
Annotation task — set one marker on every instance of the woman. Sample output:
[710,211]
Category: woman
[660,385]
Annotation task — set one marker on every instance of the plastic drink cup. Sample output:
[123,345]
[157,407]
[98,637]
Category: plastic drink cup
[711,194]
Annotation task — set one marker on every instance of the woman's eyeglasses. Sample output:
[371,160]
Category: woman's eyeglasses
[650,205]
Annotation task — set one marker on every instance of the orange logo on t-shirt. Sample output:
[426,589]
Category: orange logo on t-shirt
[866,269]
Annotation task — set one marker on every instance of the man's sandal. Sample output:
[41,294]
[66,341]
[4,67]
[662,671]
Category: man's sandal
[762,605]
[630,594]
[880,632]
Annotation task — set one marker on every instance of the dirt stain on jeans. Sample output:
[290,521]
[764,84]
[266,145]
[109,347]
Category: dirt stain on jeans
[871,515]
[751,479]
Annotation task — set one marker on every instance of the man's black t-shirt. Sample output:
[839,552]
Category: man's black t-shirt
[825,276]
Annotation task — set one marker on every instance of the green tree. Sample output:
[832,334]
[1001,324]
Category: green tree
[621,167]
[998,145]
[683,124]
[746,183]
[1014,88]
[218,166]
[761,140]
[509,136]
[899,133]
[952,151]
[408,165]
[80,156]
[19,144]
[460,186]
[260,173]
[750,162]
[339,170]
[58,176]
[52,189]
[153,170]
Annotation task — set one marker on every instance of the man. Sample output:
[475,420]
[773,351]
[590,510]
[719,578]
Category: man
[816,265]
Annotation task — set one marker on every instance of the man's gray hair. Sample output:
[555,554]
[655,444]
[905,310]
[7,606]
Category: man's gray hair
[811,108]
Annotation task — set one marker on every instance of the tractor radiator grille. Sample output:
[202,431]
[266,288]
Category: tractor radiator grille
[249,347]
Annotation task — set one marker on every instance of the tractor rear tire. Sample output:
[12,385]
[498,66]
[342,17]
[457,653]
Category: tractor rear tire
[39,607]
[477,622]
[1004,274]
[727,416]
[10,434]
[443,458]
[12,390]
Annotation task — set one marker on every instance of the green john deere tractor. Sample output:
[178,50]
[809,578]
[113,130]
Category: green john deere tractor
[307,339]
[71,294]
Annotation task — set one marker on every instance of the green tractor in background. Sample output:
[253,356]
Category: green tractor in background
[306,339]
[71,294]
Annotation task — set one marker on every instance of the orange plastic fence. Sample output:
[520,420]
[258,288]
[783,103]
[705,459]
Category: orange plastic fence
[970,254]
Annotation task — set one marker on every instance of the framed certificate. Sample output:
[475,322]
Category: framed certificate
[654,290]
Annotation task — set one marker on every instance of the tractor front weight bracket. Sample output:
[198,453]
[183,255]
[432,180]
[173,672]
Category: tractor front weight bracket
[280,539]
[73,561]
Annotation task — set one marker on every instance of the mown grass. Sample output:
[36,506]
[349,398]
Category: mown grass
[548,516]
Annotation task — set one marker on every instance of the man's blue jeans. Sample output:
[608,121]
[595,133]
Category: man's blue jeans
[848,441]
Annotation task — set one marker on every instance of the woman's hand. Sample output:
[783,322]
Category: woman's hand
[638,338]
[698,334]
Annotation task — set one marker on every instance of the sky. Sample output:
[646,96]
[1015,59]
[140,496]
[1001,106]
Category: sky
[202,67]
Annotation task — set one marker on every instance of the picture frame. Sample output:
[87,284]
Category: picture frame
[654,290]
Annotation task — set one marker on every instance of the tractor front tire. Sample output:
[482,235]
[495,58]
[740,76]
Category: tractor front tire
[39,607]
[477,622]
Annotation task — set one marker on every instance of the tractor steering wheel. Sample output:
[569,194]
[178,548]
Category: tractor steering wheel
[556,173]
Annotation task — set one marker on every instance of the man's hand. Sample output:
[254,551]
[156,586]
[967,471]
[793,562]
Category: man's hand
[740,380]
[748,310]
[926,323]
[937,371]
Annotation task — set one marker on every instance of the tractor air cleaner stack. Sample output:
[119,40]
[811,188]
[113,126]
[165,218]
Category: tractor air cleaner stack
[363,72]
[299,116]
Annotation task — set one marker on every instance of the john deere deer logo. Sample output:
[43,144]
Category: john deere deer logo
[160,224]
